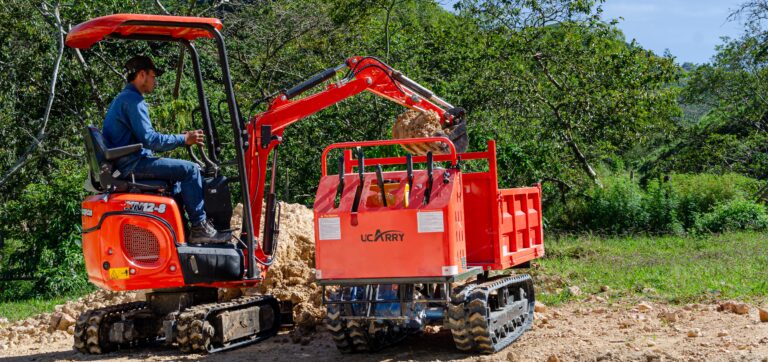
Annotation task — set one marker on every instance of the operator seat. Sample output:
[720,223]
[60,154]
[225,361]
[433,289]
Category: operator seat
[103,176]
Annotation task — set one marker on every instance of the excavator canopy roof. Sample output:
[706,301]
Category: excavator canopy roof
[86,34]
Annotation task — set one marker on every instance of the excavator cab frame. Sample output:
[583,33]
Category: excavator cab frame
[183,30]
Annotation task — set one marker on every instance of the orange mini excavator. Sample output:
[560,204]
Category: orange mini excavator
[403,252]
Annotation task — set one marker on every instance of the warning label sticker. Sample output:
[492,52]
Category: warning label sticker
[119,273]
[430,222]
[330,228]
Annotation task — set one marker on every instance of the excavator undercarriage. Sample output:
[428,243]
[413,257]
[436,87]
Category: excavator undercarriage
[192,319]
[484,316]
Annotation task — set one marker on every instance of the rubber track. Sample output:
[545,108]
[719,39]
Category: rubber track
[469,313]
[89,337]
[360,335]
[194,333]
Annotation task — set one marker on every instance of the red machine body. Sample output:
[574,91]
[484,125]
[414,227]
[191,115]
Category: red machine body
[131,242]
[468,221]
[129,252]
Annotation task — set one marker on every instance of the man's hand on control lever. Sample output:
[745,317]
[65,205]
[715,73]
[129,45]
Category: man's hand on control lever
[196,137]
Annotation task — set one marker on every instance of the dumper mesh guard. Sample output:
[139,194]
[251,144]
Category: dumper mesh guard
[140,245]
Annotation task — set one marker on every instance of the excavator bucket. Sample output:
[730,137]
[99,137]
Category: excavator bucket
[416,124]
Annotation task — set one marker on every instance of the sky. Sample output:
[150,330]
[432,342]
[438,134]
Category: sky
[689,29]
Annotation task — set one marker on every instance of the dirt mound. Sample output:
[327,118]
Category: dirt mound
[415,124]
[292,276]
[49,327]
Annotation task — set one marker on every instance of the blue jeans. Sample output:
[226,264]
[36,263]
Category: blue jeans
[186,173]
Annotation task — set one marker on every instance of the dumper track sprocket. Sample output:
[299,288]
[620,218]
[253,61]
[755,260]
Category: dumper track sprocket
[362,335]
[196,333]
[485,318]
[91,334]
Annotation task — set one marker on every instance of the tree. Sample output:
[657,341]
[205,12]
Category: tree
[560,70]
[732,134]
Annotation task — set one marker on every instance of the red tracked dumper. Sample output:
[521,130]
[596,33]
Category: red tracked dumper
[393,247]
[403,249]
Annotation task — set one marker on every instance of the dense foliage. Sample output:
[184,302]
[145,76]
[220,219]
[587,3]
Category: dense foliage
[624,140]
[674,204]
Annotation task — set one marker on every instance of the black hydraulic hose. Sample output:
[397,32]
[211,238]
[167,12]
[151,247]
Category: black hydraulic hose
[252,109]
[380,181]
[211,168]
[340,187]
[270,229]
[430,168]
[360,172]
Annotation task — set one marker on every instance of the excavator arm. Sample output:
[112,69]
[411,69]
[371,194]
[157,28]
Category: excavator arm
[365,74]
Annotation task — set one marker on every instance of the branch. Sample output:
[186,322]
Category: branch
[87,71]
[568,139]
[70,154]
[24,159]
[109,65]
[214,7]
[386,25]
[538,57]
[162,8]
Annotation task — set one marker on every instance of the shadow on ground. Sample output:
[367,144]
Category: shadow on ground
[427,347]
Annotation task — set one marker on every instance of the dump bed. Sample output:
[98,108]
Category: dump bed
[504,227]
[467,222]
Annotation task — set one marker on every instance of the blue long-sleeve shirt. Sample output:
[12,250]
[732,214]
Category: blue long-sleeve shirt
[127,122]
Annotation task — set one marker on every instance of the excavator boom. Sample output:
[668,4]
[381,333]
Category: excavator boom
[364,74]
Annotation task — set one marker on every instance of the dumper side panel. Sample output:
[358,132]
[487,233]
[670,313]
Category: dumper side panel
[520,227]
[504,226]
[479,204]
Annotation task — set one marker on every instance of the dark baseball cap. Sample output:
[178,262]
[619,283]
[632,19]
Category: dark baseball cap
[141,62]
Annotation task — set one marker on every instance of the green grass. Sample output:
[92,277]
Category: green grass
[666,268]
[18,310]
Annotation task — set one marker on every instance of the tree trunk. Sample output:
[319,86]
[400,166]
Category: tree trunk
[582,159]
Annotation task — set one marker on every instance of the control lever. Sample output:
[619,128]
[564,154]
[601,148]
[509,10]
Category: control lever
[211,169]
[360,172]
[430,168]
[340,188]
[380,180]
[409,173]
[409,170]
[194,158]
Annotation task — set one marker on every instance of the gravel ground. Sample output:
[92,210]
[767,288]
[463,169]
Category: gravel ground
[590,330]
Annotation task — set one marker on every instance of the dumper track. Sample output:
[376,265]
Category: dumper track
[485,318]
[92,328]
[362,335]
[195,333]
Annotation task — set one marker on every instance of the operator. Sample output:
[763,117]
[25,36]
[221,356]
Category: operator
[127,122]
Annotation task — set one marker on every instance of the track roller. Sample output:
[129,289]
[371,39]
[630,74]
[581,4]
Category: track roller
[488,317]
[107,329]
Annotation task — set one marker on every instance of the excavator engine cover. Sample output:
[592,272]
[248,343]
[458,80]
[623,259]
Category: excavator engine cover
[129,241]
